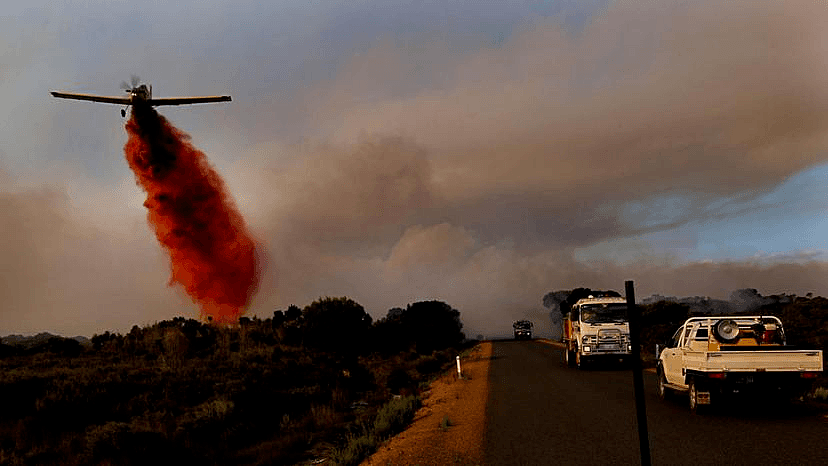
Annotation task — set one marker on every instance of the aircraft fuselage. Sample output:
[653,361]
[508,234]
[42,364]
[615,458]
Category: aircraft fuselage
[140,95]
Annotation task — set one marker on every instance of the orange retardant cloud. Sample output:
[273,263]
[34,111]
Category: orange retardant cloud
[213,257]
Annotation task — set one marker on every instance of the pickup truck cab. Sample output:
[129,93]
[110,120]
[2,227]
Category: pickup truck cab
[717,356]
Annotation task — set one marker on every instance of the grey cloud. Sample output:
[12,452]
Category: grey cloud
[471,175]
[63,273]
[699,100]
[644,121]
[351,197]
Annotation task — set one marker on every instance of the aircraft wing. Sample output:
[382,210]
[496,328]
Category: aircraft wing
[93,98]
[189,100]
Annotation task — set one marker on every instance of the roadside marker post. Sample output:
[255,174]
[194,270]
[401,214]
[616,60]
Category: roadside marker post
[638,376]
[459,374]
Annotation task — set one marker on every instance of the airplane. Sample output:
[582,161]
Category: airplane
[140,95]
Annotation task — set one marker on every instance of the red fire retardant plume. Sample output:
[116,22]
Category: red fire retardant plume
[212,255]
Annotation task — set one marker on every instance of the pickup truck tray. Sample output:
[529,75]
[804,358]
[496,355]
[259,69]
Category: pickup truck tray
[761,348]
[749,360]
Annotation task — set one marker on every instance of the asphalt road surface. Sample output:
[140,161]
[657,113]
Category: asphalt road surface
[541,412]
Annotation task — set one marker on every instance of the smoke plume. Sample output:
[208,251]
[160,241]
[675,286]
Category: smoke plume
[213,257]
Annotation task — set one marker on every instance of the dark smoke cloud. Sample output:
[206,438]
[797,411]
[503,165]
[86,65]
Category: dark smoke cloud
[359,196]
[429,171]
[645,121]
[552,131]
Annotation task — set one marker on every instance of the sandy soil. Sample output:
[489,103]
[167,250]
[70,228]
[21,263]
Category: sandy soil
[449,428]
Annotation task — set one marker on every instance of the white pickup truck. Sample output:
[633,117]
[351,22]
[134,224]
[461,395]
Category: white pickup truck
[717,356]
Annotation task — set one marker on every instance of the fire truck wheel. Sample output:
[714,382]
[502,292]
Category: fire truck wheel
[579,361]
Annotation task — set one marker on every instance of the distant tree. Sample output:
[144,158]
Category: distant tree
[432,325]
[176,346]
[394,313]
[664,312]
[336,324]
[7,350]
[805,321]
[293,313]
[388,336]
[424,326]
[278,319]
[66,347]
[105,341]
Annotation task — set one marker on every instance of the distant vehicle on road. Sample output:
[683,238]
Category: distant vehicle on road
[523,329]
[710,358]
[596,328]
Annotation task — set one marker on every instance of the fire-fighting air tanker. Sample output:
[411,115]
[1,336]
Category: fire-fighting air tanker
[141,95]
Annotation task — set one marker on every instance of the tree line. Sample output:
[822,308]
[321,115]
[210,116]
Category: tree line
[271,390]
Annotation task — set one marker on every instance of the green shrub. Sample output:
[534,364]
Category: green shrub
[391,419]
[395,415]
[445,423]
[355,450]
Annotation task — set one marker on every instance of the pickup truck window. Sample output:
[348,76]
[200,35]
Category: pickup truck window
[686,339]
[673,343]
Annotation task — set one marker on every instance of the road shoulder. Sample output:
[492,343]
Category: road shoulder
[450,427]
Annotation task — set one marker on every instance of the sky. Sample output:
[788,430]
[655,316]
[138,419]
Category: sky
[479,153]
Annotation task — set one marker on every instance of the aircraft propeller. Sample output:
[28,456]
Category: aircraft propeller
[135,81]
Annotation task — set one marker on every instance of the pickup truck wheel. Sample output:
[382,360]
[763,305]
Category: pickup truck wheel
[663,391]
[693,393]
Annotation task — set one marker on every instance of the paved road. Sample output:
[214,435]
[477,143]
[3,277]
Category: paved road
[540,413]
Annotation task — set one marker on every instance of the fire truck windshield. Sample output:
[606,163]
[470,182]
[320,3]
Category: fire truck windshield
[603,313]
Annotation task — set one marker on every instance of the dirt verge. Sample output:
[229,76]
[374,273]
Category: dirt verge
[450,426]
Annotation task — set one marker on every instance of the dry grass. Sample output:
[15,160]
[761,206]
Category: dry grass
[449,428]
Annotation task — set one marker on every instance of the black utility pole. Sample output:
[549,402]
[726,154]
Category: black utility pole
[638,376]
